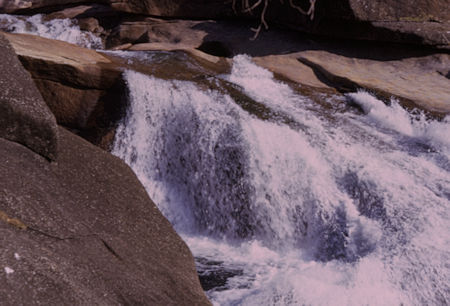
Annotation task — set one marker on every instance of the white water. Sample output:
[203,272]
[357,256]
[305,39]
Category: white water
[60,29]
[352,210]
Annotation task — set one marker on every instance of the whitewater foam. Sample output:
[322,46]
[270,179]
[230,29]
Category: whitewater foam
[60,29]
[396,118]
[338,213]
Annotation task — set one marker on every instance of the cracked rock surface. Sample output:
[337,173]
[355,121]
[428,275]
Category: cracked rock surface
[91,234]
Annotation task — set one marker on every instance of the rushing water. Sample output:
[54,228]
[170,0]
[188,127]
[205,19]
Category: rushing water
[303,205]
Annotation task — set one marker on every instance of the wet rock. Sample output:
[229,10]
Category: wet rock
[24,117]
[214,275]
[83,88]
[95,18]
[153,30]
[176,47]
[290,68]
[90,24]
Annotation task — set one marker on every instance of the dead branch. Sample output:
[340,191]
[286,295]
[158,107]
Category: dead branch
[247,8]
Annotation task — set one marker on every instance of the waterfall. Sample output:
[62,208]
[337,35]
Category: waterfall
[345,209]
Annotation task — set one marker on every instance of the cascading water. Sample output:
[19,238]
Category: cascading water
[317,209]
[59,29]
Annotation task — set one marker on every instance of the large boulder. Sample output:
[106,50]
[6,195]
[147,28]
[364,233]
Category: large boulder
[24,117]
[82,87]
[81,230]
[84,231]
[400,10]
[422,22]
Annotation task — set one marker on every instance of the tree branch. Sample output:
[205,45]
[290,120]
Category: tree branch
[247,8]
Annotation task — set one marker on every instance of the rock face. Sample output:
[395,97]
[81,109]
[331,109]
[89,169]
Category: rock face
[400,10]
[81,230]
[24,117]
[422,22]
[86,233]
[82,88]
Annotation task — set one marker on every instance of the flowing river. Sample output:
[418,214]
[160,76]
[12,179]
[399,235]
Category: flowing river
[284,200]
[295,202]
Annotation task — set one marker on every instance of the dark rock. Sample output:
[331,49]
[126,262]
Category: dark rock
[420,22]
[89,235]
[214,275]
[82,11]
[90,24]
[24,117]
[202,9]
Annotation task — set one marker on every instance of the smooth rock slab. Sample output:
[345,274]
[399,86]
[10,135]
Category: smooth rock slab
[63,62]
[421,80]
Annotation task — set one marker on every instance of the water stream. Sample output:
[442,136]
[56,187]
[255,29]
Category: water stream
[347,208]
